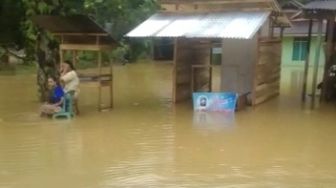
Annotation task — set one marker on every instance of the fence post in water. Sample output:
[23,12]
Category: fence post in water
[306,66]
[316,62]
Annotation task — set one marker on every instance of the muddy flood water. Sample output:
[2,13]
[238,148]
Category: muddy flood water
[146,141]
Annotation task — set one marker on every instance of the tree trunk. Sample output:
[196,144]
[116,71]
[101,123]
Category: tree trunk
[42,85]
[5,59]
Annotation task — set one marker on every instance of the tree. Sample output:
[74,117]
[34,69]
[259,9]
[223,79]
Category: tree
[122,16]
[19,32]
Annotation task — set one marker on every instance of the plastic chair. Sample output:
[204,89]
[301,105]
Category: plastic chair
[67,108]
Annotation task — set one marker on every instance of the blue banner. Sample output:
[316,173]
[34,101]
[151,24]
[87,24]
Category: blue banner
[215,102]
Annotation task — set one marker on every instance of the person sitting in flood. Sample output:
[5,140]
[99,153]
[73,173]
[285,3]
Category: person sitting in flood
[70,81]
[55,98]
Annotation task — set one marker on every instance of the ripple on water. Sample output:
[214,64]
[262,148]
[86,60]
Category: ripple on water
[28,118]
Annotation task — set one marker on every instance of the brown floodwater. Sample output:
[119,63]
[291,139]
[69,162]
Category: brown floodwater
[146,141]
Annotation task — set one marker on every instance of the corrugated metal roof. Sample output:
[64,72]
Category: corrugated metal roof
[321,5]
[242,25]
[300,28]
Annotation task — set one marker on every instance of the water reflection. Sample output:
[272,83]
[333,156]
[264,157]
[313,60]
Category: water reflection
[146,141]
[213,120]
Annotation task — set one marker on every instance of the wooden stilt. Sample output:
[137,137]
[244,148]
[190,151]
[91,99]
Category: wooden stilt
[99,80]
[329,52]
[61,56]
[210,71]
[174,71]
[111,84]
[282,32]
[316,63]
[74,57]
[306,67]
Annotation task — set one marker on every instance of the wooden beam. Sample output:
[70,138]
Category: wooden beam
[85,47]
[203,8]
[214,1]
[81,34]
[176,5]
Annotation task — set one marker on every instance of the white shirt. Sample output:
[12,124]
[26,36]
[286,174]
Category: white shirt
[71,81]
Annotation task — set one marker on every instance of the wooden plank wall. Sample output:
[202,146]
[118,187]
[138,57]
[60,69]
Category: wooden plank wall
[238,60]
[181,70]
[201,58]
[189,52]
[267,71]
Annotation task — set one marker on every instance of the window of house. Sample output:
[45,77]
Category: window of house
[300,49]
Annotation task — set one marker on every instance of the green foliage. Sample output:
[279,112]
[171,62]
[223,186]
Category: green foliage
[11,15]
[17,29]
[122,16]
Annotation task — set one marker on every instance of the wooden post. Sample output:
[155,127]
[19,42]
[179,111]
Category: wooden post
[192,87]
[74,57]
[210,79]
[328,61]
[316,62]
[306,67]
[270,28]
[174,72]
[254,69]
[111,84]
[210,71]
[99,80]
[281,32]
[61,59]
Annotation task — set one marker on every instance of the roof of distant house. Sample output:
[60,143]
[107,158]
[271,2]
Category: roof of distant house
[321,5]
[300,28]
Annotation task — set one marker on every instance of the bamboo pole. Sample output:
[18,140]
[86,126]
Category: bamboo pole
[316,63]
[306,67]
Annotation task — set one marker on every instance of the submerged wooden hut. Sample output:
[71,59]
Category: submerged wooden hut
[80,33]
[251,53]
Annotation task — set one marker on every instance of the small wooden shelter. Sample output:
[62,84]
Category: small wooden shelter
[80,33]
[320,11]
[251,54]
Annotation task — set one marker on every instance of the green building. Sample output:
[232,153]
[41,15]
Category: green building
[295,41]
[295,38]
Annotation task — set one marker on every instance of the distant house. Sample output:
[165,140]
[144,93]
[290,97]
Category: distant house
[294,42]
